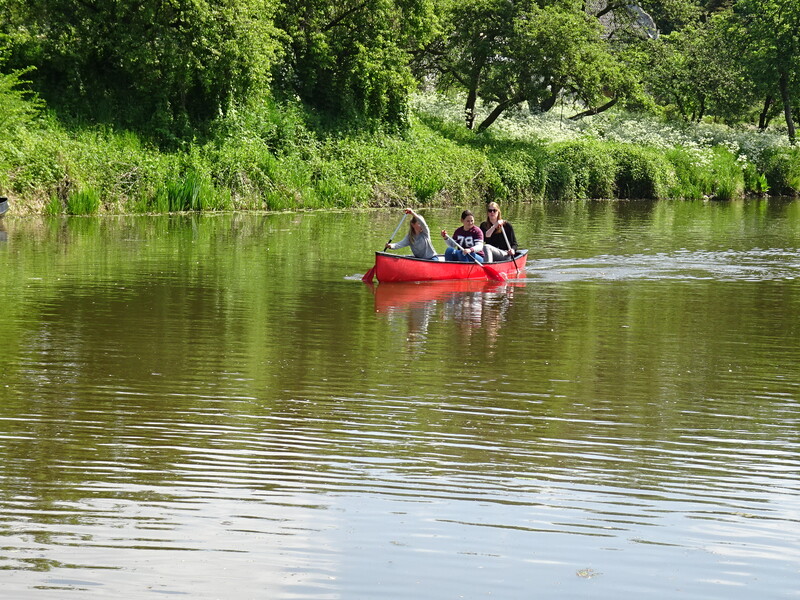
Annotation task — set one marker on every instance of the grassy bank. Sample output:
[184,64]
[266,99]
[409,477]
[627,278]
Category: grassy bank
[270,157]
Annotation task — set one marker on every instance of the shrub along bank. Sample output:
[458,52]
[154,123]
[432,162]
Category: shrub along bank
[271,158]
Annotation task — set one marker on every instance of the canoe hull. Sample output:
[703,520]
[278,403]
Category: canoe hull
[393,268]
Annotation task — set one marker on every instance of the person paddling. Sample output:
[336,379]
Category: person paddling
[469,237]
[418,238]
[499,239]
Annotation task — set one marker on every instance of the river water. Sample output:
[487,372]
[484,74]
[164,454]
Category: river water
[217,407]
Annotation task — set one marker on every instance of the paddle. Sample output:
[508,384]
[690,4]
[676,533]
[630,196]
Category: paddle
[371,273]
[510,249]
[490,272]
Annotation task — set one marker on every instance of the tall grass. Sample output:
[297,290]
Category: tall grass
[278,157]
[83,202]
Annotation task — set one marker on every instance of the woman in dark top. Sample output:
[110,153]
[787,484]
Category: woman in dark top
[495,246]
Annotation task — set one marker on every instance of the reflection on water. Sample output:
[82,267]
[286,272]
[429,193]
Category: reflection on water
[191,405]
[478,306]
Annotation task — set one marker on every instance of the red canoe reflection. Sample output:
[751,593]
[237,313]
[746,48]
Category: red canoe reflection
[400,294]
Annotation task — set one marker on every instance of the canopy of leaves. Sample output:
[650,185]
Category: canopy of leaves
[164,64]
[511,52]
[351,59]
[169,67]
[687,70]
[769,35]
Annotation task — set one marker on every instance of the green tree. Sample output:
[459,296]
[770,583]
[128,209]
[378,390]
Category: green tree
[350,59]
[18,107]
[507,53]
[161,65]
[687,70]
[768,33]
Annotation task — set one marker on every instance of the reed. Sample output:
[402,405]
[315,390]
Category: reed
[83,202]
[191,192]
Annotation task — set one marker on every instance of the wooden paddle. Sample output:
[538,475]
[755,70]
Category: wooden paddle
[490,272]
[510,249]
[371,273]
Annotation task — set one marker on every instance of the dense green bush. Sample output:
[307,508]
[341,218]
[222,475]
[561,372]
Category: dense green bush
[641,172]
[782,170]
[592,170]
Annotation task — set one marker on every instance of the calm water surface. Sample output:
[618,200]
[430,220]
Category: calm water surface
[217,407]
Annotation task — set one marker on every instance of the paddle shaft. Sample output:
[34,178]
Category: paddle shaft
[492,273]
[510,249]
[396,229]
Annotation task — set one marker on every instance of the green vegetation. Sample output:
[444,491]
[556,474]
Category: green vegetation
[255,104]
[270,159]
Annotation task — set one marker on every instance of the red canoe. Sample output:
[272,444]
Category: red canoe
[394,267]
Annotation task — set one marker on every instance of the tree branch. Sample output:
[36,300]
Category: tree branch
[344,15]
[594,111]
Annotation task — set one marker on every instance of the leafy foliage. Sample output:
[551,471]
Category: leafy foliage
[687,73]
[767,34]
[162,66]
[18,108]
[175,105]
[781,168]
[509,53]
[350,59]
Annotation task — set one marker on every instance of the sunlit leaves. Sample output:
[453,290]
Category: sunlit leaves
[768,32]
[508,53]
[17,107]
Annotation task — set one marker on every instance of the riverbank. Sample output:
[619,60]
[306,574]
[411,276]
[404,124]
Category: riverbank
[272,157]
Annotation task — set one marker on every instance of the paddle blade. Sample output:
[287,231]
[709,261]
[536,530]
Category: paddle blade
[367,278]
[494,275]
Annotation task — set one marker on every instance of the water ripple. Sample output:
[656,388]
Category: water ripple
[772,264]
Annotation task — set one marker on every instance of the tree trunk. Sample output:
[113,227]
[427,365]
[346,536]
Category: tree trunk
[787,106]
[681,109]
[498,110]
[550,101]
[702,111]
[594,111]
[472,98]
[763,118]
[469,108]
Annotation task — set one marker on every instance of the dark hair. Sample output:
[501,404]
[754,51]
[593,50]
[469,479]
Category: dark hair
[465,214]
